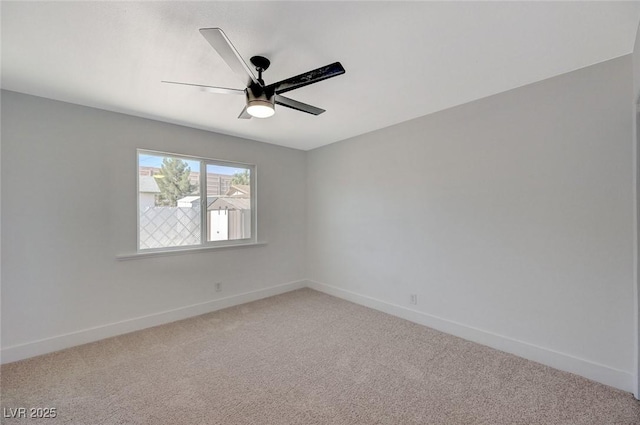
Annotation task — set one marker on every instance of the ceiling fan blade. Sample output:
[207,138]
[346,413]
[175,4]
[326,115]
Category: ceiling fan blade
[211,89]
[307,78]
[244,115]
[298,106]
[220,42]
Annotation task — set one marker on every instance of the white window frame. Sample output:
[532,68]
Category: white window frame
[204,243]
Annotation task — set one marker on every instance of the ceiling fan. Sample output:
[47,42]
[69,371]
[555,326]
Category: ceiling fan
[261,98]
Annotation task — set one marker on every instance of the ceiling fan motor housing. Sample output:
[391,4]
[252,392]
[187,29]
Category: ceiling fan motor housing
[259,104]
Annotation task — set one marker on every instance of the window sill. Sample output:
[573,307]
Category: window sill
[140,255]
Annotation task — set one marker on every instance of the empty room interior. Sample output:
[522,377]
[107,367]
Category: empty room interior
[319,212]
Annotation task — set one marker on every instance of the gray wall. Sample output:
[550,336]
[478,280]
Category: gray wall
[511,216]
[636,137]
[69,208]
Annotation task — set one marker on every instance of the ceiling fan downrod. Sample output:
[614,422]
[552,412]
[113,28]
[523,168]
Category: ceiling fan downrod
[262,64]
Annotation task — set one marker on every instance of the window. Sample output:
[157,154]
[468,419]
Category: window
[189,202]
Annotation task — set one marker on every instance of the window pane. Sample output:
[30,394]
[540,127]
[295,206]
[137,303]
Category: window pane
[228,203]
[168,201]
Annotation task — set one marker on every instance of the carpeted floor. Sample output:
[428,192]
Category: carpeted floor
[302,358]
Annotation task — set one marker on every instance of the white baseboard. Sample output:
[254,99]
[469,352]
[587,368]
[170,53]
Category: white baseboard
[568,363]
[60,342]
[600,373]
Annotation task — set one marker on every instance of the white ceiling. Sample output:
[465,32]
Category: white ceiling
[403,59]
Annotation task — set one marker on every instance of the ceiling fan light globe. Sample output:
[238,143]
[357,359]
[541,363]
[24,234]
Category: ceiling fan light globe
[260,108]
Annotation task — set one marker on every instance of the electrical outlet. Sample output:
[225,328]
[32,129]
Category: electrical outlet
[413,299]
[218,286]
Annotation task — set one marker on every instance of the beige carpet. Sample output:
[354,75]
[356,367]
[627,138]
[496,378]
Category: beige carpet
[303,358]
